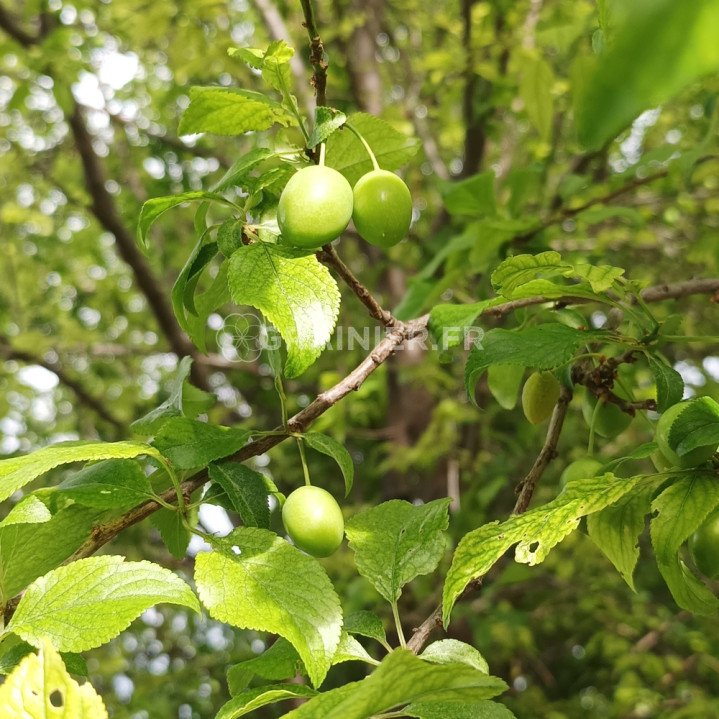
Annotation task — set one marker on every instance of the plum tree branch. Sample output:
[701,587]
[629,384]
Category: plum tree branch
[329,256]
[318,58]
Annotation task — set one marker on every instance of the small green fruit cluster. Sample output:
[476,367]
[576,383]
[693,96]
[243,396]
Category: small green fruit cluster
[697,456]
[318,203]
[314,521]
[539,395]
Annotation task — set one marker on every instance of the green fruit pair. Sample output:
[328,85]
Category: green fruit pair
[314,521]
[317,204]
[539,396]
[704,546]
[697,456]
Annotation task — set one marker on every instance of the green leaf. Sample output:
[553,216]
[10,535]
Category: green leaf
[113,483]
[29,510]
[332,448]
[448,651]
[156,206]
[327,121]
[670,385]
[616,528]
[278,662]
[246,490]
[543,347]
[400,679]
[175,535]
[189,443]
[366,624]
[271,586]
[294,292]
[29,550]
[346,153]
[16,472]
[85,604]
[350,650]
[273,62]
[535,89]
[504,381]
[600,277]
[241,168]
[454,710]
[448,323]
[229,111]
[253,699]
[473,197]
[205,304]
[680,510]
[660,47]
[397,541]
[535,532]
[696,426]
[519,269]
[32,690]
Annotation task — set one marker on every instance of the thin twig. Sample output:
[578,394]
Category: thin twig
[318,58]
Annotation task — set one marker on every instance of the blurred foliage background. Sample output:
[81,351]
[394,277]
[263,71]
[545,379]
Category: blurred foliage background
[90,97]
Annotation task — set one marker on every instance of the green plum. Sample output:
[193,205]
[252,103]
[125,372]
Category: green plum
[697,456]
[314,521]
[539,395]
[704,546]
[315,207]
[609,421]
[382,208]
[580,469]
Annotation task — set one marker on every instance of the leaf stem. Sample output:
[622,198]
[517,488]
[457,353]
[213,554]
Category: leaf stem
[323,149]
[303,458]
[371,154]
[398,625]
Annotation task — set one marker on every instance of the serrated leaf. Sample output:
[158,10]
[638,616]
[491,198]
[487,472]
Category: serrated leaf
[240,168]
[216,295]
[276,67]
[473,197]
[542,347]
[29,550]
[448,323]
[189,443]
[670,385]
[400,679]
[280,661]
[85,604]
[271,586]
[29,510]
[346,153]
[294,292]
[549,290]
[515,271]
[535,532]
[448,651]
[175,535]
[229,111]
[366,624]
[16,472]
[660,47]
[397,541]
[327,121]
[113,483]
[504,381]
[15,649]
[32,691]
[535,89]
[252,699]
[156,206]
[600,277]
[246,490]
[616,529]
[350,650]
[456,710]
[696,426]
[679,510]
[332,448]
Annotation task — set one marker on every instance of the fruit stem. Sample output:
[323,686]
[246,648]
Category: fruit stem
[323,149]
[303,458]
[398,624]
[375,165]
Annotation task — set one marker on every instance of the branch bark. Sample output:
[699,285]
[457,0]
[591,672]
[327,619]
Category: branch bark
[318,58]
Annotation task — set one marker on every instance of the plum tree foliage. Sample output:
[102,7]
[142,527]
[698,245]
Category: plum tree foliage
[556,248]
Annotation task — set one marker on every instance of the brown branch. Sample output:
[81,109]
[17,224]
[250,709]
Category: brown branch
[524,496]
[83,396]
[318,58]
[329,256]
[675,290]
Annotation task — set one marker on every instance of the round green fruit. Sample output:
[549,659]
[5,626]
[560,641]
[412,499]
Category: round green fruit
[609,420]
[382,208]
[314,521]
[315,207]
[704,546]
[697,456]
[581,469]
[539,395]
